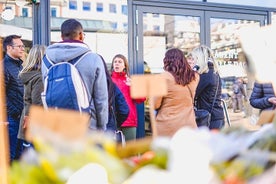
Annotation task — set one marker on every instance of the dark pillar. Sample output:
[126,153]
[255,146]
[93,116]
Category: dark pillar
[41,22]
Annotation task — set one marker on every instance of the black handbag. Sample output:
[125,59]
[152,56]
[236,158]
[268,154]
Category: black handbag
[203,117]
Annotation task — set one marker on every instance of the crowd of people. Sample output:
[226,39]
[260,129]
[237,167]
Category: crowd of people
[192,80]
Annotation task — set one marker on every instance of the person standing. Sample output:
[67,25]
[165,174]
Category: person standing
[208,92]
[263,96]
[118,109]
[90,67]
[120,76]
[238,96]
[176,109]
[33,86]
[14,52]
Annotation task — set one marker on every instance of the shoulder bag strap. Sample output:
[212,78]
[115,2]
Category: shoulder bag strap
[191,95]
[215,96]
[213,100]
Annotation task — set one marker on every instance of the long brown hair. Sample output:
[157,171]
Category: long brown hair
[176,63]
[126,69]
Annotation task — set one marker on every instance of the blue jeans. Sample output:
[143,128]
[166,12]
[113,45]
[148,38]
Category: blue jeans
[217,124]
[16,146]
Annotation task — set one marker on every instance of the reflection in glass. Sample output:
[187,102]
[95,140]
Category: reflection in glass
[229,56]
[226,46]
[166,31]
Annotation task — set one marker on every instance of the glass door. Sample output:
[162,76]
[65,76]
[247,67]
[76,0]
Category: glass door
[167,31]
[159,31]
[224,41]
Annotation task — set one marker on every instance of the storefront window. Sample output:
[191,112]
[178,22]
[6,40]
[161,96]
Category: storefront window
[166,32]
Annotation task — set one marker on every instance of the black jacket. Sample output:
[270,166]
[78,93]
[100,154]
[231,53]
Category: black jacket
[14,86]
[119,110]
[205,94]
[260,94]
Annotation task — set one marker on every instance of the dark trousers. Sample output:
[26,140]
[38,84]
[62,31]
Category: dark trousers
[217,124]
[15,144]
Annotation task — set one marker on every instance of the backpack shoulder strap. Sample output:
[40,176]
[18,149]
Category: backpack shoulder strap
[76,60]
[48,63]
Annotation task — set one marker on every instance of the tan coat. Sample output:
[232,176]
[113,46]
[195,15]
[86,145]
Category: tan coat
[175,110]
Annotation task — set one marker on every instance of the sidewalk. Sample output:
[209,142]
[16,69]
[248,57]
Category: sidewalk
[238,119]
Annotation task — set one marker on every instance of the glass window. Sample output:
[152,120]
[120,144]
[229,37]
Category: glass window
[24,12]
[125,26]
[124,9]
[99,7]
[226,47]
[53,12]
[114,25]
[156,28]
[155,15]
[112,8]
[86,6]
[170,31]
[145,27]
[73,5]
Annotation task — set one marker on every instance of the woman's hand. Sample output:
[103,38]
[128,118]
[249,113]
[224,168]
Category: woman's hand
[272,100]
[25,122]
[128,81]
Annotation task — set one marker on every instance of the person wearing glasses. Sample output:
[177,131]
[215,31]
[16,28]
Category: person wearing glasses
[14,52]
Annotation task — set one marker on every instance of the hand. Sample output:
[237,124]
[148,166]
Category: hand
[272,100]
[128,81]
[25,122]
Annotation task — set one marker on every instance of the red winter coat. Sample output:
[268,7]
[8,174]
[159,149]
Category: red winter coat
[120,80]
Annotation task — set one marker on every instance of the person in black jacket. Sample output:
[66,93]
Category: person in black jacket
[263,96]
[209,87]
[14,51]
[118,109]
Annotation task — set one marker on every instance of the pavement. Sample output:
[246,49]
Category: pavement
[248,121]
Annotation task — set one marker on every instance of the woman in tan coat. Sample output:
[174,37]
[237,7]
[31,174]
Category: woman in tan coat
[176,110]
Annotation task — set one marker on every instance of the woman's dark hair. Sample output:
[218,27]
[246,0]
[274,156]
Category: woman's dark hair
[110,84]
[176,63]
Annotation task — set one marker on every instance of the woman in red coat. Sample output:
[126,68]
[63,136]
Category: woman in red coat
[120,76]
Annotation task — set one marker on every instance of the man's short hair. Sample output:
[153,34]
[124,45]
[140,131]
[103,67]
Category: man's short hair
[70,29]
[8,40]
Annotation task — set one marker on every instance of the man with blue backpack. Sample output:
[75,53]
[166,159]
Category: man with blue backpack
[74,76]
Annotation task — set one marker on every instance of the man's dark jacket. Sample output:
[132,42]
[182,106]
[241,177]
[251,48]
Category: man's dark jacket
[14,86]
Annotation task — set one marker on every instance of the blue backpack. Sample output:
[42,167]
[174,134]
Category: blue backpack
[63,86]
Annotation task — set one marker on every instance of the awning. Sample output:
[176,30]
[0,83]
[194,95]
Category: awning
[6,30]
